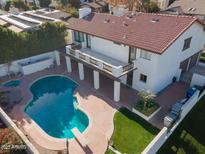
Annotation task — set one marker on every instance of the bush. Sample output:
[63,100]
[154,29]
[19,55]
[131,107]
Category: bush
[74,12]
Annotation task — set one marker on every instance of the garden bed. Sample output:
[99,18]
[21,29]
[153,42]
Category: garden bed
[131,133]
[10,142]
[147,111]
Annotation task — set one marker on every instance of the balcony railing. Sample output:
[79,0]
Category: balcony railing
[99,63]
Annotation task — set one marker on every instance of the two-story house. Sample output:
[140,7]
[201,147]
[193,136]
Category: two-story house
[145,51]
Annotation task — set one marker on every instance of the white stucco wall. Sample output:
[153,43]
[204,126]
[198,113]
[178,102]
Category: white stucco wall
[111,49]
[162,68]
[198,79]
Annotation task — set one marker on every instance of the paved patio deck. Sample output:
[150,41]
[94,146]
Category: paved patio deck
[166,99]
[97,104]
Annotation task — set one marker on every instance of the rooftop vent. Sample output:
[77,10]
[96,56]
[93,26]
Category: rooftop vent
[106,20]
[191,9]
[124,36]
[154,20]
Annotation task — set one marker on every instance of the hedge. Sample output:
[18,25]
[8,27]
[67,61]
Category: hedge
[47,37]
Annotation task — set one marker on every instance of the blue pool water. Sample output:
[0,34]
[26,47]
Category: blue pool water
[53,107]
[12,83]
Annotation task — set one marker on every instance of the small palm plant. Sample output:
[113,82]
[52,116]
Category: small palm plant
[147,97]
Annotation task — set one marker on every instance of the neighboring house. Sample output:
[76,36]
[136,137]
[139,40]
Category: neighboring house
[188,7]
[96,6]
[145,51]
[29,20]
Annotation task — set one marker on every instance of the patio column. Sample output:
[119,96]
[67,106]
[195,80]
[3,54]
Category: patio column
[81,71]
[68,64]
[187,68]
[96,79]
[116,91]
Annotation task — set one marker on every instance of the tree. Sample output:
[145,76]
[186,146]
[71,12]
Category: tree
[20,5]
[75,3]
[146,97]
[151,7]
[7,6]
[44,3]
[64,2]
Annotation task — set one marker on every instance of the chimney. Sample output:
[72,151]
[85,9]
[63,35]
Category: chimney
[84,12]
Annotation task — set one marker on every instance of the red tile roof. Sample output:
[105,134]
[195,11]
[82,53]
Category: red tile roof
[152,32]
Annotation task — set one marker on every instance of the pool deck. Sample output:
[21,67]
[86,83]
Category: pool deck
[97,104]
[99,111]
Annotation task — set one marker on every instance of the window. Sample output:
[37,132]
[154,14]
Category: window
[143,78]
[187,43]
[78,36]
[132,55]
[145,55]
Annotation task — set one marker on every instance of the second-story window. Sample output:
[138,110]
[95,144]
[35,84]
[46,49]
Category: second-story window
[187,43]
[78,36]
[145,55]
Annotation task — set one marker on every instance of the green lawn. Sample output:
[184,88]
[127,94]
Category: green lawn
[131,133]
[189,137]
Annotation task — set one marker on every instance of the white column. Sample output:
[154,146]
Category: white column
[96,79]
[57,56]
[68,63]
[116,91]
[187,68]
[81,71]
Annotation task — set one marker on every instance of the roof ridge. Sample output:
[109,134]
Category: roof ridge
[169,15]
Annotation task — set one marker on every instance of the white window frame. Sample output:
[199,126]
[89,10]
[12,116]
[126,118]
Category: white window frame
[145,55]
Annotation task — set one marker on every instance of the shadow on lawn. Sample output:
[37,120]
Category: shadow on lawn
[146,125]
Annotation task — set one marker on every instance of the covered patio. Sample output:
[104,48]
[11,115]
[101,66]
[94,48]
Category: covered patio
[100,67]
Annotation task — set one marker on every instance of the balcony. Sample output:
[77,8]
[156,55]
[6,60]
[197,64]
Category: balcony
[104,63]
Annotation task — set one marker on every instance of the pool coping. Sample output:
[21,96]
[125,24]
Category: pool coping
[43,134]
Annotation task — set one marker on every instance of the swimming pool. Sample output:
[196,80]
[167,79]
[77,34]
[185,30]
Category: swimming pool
[12,83]
[53,107]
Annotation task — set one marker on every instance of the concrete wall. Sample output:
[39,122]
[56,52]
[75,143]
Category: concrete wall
[198,79]
[37,66]
[15,67]
[164,134]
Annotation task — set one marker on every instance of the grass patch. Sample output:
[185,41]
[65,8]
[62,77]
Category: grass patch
[189,137]
[202,57]
[131,133]
[139,106]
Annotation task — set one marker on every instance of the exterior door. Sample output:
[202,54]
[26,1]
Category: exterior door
[132,56]
[88,41]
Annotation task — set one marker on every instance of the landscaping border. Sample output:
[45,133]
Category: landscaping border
[9,123]
[147,118]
